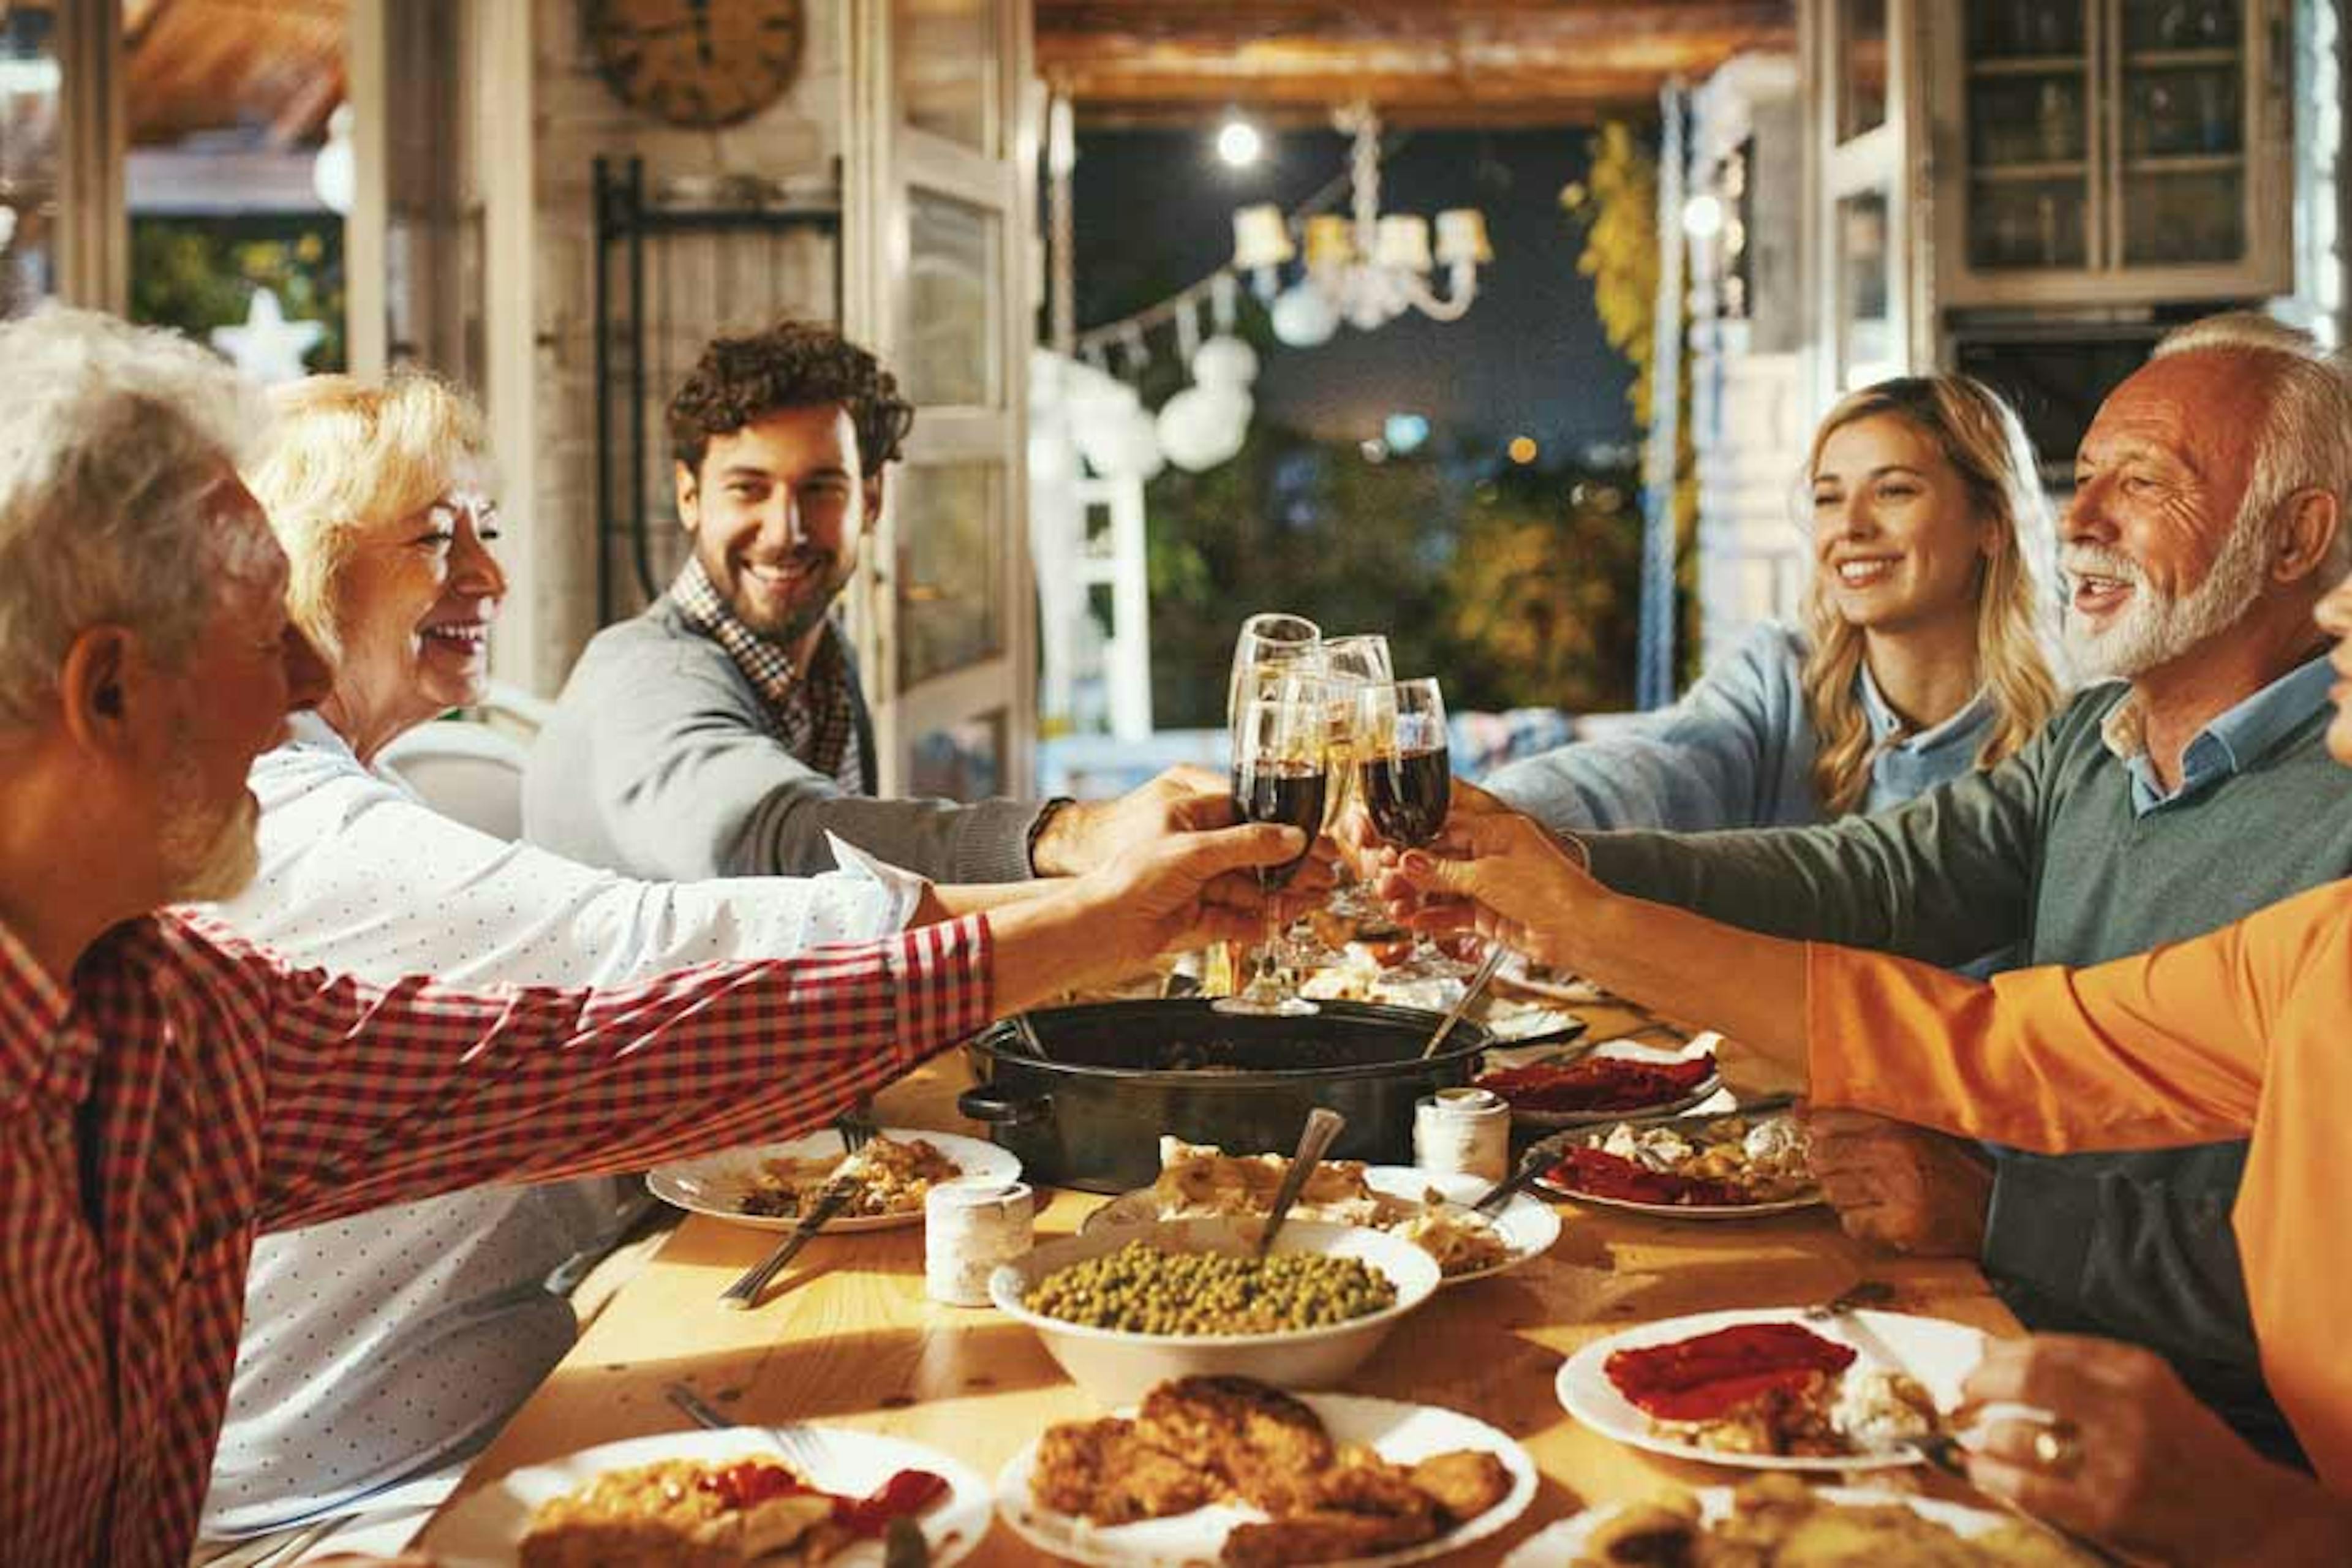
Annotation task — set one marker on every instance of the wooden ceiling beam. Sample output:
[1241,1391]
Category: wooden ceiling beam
[1485,62]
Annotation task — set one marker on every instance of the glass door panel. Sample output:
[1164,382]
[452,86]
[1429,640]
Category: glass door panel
[1868,345]
[2184,132]
[2029,106]
[949,331]
[1862,75]
[946,69]
[951,567]
[29,156]
[963,760]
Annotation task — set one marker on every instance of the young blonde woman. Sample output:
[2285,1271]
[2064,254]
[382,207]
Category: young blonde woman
[1925,650]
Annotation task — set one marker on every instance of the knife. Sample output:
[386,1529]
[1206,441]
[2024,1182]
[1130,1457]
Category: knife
[831,1201]
[1538,1159]
[1763,1104]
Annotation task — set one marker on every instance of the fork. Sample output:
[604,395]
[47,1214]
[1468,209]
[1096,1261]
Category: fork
[857,1129]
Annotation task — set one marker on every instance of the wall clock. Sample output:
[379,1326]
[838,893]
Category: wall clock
[699,63]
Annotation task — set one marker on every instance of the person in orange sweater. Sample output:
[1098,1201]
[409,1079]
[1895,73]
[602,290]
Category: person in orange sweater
[2237,1032]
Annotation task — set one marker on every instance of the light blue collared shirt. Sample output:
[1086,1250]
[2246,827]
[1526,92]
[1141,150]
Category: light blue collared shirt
[2234,740]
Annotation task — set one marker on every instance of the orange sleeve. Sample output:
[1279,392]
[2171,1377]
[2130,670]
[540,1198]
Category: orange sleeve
[2161,1048]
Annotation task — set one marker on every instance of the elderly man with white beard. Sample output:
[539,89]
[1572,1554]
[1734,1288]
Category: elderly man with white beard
[2207,522]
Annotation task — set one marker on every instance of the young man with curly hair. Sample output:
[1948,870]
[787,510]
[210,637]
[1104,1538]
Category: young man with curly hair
[723,732]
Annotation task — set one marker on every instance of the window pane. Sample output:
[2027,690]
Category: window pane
[946,68]
[962,761]
[29,157]
[1862,77]
[949,337]
[951,567]
[1867,350]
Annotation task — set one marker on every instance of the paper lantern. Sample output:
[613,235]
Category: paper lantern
[1199,427]
[1303,318]
[1225,361]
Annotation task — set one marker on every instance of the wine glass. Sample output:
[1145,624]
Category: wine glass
[1279,775]
[1349,664]
[1404,768]
[1268,641]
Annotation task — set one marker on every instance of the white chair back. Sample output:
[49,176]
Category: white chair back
[464,770]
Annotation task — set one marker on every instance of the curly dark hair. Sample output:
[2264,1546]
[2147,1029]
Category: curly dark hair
[792,364]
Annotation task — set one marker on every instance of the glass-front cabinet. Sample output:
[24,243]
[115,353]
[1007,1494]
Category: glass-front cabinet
[2111,151]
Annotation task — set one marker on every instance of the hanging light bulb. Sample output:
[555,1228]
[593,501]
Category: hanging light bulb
[1238,143]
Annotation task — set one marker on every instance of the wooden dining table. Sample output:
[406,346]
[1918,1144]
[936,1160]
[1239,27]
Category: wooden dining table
[846,1336]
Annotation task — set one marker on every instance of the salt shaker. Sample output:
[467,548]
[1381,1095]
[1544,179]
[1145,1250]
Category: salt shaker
[1466,1130]
[969,1227]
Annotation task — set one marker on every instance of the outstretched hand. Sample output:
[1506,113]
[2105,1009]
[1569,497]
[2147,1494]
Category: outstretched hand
[1094,834]
[1496,872]
[1175,891]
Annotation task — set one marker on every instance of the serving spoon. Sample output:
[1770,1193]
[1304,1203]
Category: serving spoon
[1323,1125]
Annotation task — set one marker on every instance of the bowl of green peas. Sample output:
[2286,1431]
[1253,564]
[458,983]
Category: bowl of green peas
[1126,1308]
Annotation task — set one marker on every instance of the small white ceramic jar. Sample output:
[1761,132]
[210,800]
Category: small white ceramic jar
[969,1227]
[1463,1129]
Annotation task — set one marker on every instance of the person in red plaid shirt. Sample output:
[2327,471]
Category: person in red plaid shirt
[167,1090]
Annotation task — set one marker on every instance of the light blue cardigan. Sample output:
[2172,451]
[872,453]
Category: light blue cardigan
[1737,751]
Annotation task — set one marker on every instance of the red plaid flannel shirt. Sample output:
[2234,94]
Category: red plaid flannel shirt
[190,1089]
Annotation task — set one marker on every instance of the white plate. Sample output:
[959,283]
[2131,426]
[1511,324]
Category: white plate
[1568,989]
[1634,1051]
[1559,1544]
[1940,1355]
[485,1527]
[1527,1226]
[1400,1432]
[1809,1198]
[714,1184]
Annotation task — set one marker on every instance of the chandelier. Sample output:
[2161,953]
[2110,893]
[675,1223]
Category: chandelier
[1366,269]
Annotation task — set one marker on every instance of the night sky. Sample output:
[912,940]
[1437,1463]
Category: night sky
[1153,211]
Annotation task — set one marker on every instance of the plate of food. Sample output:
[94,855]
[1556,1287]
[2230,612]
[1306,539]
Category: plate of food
[1780,1519]
[1223,1468]
[1771,1390]
[1695,1167]
[766,1186]
[1614,1079]
[1364,975]
[784,1495]
[1428,1208]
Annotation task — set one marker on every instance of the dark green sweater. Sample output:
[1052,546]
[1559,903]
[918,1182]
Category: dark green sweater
[2046,850]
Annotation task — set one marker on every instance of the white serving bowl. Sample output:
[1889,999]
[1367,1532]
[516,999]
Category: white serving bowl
[1119,1367]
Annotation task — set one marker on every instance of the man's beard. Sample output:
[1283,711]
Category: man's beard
[2155,630]
[207,857]
[824,583]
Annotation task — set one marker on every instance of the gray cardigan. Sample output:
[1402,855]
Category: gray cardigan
[660,761]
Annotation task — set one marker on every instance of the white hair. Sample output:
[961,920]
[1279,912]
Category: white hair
[111,439]
[2305,441]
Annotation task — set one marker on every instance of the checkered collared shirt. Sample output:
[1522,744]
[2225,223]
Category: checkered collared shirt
[814,715]
[189,1090]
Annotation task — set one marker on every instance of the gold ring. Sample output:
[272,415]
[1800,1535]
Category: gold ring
[2059,1449]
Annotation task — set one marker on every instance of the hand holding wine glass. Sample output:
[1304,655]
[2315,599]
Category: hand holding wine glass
[1280,775]
[1405,775]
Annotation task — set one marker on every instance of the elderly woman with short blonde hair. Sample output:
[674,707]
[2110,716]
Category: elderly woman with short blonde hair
[379,1348]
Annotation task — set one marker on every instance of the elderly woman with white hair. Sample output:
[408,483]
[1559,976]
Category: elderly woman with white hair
[379,1348]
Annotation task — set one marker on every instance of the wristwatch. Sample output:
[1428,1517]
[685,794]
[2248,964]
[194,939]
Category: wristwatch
[1045,814]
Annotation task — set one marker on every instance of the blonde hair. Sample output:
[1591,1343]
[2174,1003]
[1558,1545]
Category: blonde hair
[346,455]
[1983,440]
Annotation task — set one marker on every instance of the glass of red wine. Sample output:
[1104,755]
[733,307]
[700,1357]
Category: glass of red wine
[1405,775]
[1280,775]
